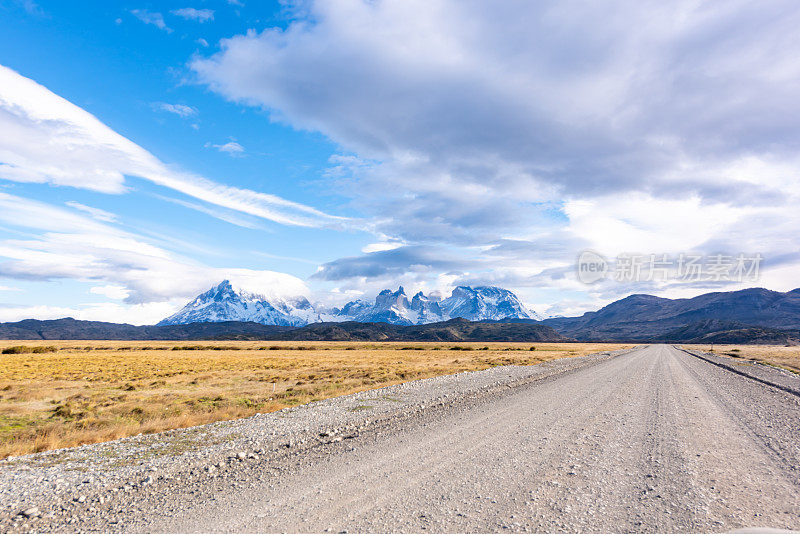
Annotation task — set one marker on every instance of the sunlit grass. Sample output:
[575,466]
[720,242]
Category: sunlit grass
[77,392]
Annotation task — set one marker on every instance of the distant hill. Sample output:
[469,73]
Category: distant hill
[646,318]
[732,333]
[73,329]
[452,330]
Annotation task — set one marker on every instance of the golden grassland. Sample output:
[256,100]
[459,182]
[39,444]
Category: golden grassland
[779,356]
[63,393]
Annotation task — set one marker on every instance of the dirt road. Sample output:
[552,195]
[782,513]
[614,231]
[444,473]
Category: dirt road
[654,440]
[649,440]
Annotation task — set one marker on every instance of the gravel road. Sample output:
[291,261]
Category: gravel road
[650,440]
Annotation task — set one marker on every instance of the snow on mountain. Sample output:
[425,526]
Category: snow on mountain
[389,307]
[226,303]
[485,303]
[476,304]
[427,309]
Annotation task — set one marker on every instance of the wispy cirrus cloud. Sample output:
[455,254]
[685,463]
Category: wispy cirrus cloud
[50,140]
[232,148]
[190,13]
[153,18]
[182,110]
[95,213]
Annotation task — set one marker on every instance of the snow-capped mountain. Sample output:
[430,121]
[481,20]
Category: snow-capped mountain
[224,303]
[392,307]
[485,303]
[427,309]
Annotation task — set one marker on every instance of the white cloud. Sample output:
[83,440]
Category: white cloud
[381,245]
[190,13]
[223,215]
[110,291]
[47,139]
[150,17]
[231,148]
[682,225]
[72,246]
[471,125]
[137,314]
[181,110]
[95,213]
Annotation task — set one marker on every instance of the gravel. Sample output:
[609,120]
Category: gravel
[649,440]
[92,485]
[761,372]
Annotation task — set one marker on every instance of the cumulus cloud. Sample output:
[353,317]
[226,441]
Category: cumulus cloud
[558,100]
[46,139]
[475,125]
[190,13]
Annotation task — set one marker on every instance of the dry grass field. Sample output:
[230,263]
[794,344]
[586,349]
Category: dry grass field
[784,357]
[62,393]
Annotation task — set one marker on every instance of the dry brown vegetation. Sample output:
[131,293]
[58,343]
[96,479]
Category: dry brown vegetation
[76,392]
[784,357]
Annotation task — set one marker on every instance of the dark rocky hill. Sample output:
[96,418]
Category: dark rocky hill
[69,328]
[453,330]
[731,332]
[645,317]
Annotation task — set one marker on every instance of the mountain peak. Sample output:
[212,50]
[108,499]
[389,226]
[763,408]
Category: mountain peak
[483,303]
[224,302]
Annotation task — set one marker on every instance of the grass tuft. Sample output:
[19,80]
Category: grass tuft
[25,349]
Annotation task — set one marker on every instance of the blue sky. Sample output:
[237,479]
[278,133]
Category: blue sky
[337,147]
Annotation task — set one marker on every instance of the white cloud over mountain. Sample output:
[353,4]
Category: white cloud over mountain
[483,143]
[137,269]
[652,126]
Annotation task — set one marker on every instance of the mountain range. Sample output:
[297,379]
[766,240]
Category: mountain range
[493,314]
[224,302]
[645,317]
